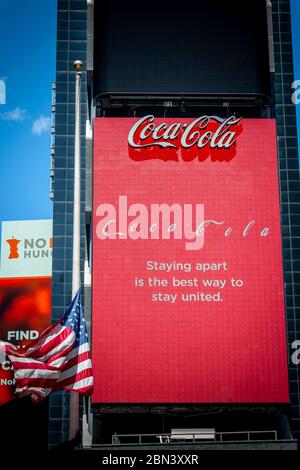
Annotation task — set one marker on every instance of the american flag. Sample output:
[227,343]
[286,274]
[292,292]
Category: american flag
[58,360]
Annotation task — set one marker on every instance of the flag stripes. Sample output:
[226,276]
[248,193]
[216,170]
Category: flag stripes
[58,360]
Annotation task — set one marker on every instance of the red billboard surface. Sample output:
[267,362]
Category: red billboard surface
[188,303]
[25,306]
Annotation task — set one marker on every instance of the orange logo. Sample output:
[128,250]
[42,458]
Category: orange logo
[13,246]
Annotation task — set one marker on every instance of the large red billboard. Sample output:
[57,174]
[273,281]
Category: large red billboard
[188,301]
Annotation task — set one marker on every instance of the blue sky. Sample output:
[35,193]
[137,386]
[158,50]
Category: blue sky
[27,38]
[28,67]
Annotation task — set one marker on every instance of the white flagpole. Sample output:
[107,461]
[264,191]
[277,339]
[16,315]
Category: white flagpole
[74,398]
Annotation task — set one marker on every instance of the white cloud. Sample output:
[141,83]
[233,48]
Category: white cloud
[2,92]
[15,115]
[41,125]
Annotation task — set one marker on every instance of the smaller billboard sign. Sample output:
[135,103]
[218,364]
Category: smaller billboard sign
[25,288]
[25,306]
[26,248]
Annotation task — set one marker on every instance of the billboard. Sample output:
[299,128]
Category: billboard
[25,308]
[26,248]
[25,288]
[187,286]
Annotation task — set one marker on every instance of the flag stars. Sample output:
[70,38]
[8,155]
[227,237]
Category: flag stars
[74,319]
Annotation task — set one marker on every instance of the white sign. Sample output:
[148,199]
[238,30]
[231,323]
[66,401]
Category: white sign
[26,248]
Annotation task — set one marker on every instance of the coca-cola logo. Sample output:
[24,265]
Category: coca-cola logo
[199,138]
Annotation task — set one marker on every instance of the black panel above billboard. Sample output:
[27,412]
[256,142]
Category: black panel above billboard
[209,49]
[139,104]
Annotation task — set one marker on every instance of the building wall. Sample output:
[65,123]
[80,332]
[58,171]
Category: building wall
[71,45]
[285,113]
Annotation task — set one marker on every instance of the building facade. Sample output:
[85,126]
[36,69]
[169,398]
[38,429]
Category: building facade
[122,80]
[71,46]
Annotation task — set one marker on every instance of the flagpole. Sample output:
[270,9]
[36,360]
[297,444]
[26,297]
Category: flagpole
[74,397]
